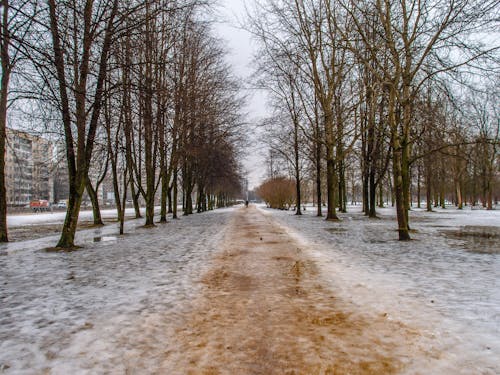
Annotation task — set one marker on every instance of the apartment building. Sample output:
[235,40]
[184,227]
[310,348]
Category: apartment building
[28,165]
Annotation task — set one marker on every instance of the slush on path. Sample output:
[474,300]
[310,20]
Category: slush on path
[254,291]
[264,309]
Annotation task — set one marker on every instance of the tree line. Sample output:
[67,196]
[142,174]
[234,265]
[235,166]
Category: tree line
[401,96]
[136,89]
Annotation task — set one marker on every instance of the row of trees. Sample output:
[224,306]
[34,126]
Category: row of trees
[364,89]
[137,89]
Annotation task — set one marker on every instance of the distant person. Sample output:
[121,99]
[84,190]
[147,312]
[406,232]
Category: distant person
[246,203]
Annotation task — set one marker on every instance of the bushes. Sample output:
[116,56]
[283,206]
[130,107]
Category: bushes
[278,192]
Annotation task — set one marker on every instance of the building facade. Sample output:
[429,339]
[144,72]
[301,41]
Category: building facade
[28,165]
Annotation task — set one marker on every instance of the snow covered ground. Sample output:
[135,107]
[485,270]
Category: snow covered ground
[446,281]
[65,312]
[109,307]
[57,217]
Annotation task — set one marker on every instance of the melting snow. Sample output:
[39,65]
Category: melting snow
[73,312]
[448,287]
[64,311]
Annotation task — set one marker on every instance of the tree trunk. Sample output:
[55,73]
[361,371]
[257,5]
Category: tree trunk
[169,197]
[405,177]
[474,189]
[397,156]
[149,160]
[117,195]
[3,192]
[188,190]
[342,185]
[297,166]
[4,90]
[183,199]
[189,201]
[3,133]
[460,203]
[331,182]
[372,212]
[150,211]
[67,239]
[135,201]
[319,212]
[199,200]
[403,231]
[174,199]
[442,202]
[164,195]
[392,192]
[120,206]
[353,191]
[428,191]
[489,197]
[418,188]
[331,173]
[96,211]
[381,195]
[121,212]
[366,198]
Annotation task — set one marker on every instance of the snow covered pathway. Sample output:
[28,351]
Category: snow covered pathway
[249,291]
[265,310]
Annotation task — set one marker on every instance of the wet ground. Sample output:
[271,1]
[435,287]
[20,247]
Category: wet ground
[477,239]
[265,310]
[254,291]
[33,232]
[444,282]
[40,230]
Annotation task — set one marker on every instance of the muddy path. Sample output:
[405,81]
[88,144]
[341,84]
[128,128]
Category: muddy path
[264,309]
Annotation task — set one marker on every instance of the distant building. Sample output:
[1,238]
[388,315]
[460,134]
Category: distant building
[60,173]
[28,165]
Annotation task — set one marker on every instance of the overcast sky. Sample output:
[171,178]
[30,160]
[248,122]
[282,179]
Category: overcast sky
[241,49]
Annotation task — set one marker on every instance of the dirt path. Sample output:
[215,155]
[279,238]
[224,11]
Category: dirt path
[264,310]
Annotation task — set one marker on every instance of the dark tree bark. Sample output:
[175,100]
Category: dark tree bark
[175,194]
[4,90]
[96,210]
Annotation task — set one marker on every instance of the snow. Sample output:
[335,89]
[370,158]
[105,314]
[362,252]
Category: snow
[64,312]
[57,217]
[448,287]
[109,307]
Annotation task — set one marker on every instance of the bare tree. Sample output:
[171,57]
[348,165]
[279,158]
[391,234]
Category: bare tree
[16,18]
[89,38]
[4,90]
[416,48]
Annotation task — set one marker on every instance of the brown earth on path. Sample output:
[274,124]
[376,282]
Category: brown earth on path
[264,310]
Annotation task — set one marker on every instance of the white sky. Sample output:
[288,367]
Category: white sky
[241,51]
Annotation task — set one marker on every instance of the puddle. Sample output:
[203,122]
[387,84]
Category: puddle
[477,239]
[374,240]
[105,239]
[336,230]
